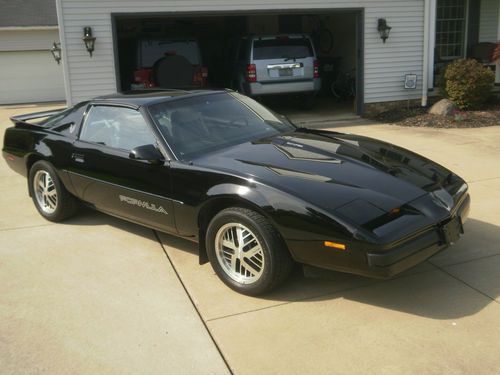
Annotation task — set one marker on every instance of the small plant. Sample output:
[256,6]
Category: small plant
[468,83]
[459,116]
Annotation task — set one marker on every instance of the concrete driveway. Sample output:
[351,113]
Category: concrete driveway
[98,295]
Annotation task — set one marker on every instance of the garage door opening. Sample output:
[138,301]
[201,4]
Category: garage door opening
[167,51]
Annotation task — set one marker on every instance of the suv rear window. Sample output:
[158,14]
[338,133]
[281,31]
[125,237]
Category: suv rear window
[281,48]
[152,50]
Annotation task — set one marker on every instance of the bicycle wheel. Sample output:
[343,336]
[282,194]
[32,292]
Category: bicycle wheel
[337,88]
[325,40]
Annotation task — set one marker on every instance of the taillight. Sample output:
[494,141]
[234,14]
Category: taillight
[200,76]
[251,73]
[316,69]
[143,77]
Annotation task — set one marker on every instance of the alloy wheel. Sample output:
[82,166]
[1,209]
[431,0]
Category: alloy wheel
[45,191]
[239,253]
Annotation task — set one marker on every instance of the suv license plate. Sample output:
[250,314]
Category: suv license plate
[452,231]
[286,72]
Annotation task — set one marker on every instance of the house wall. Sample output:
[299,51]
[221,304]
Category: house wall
[384,67]
[489,21]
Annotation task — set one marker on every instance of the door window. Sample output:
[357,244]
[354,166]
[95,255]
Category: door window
[116,127]
[450,29]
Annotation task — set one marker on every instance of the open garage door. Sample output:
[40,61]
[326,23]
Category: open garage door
[219,51]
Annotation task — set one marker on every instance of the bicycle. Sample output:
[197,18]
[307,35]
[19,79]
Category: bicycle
[344,85]
[321,35]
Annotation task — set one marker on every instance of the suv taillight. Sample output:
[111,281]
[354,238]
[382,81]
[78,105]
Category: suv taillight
[251,73]
[200,76]
[316,69]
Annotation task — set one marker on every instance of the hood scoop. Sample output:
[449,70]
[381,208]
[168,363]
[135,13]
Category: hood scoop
[300,151]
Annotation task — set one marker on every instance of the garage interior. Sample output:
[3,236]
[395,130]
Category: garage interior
[336,36]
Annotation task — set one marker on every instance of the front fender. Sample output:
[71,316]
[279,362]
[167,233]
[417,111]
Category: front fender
[293,217]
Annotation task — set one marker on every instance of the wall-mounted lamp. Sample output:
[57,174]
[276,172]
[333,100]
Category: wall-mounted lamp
[56,52]
[88,39]
[383,29]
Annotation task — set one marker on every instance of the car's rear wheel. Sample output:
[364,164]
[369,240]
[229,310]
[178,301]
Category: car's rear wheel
[246,252]
[49,195]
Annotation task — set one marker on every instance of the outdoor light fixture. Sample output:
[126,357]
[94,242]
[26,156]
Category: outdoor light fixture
[88,39]
[56,52]
[383,29]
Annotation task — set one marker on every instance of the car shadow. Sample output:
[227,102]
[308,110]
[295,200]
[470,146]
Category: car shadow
[429,290]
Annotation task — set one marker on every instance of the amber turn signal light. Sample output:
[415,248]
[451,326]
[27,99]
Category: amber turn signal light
[335,245]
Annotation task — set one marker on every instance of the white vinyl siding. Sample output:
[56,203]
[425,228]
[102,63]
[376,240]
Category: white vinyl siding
[489,21]
[385,65]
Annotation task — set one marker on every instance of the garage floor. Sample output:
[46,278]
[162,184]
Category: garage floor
[326,109]
[99,295]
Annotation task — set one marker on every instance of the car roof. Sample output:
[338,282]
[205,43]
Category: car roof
[139,98]
[277,36]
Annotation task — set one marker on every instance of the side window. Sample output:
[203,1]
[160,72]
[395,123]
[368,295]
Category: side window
[117,127]
[68,121]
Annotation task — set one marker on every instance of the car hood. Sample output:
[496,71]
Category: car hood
[333,170]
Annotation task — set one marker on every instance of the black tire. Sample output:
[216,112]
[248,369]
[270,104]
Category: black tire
[66,204]
[277,264]
[173,71]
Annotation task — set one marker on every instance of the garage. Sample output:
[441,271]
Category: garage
[28,72]
[27,84]
[376,62]
[150,50]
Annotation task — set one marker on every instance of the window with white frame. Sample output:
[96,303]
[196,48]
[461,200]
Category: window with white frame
[451,25]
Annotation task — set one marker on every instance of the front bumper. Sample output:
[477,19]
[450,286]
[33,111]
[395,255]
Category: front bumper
[381,261]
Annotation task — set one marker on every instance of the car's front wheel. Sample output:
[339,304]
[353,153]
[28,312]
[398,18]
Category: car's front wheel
[49,195]
[246,251]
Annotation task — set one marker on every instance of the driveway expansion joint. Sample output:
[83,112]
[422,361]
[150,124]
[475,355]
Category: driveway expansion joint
[337,292]
[155,233]
[464,282]
[27,227]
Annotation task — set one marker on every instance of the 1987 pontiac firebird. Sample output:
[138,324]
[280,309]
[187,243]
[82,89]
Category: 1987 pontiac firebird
[256,192]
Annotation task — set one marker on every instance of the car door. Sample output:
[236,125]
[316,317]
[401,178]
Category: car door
[105,176]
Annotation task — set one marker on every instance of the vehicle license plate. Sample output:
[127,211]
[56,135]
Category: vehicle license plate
[287,72]
[452,230]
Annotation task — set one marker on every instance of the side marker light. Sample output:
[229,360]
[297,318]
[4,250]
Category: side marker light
[335,245]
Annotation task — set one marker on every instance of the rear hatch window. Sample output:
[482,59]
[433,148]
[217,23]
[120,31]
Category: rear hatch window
[282,48]
[152,50]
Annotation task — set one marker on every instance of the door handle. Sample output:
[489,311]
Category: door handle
[79,158]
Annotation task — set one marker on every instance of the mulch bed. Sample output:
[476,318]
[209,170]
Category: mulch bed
[418,117]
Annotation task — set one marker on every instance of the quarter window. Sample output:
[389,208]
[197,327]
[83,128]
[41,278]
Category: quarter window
[116,127]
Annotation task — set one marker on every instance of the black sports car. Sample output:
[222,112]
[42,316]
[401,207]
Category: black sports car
[256,192]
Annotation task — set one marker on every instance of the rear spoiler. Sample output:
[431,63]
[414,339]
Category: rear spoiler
[21,120]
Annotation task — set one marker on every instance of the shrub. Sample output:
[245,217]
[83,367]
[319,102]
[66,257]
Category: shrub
[468,83]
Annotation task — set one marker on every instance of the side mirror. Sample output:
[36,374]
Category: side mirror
[148,153]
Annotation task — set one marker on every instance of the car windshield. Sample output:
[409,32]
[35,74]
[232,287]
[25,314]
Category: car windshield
[282,48]
[197,125]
